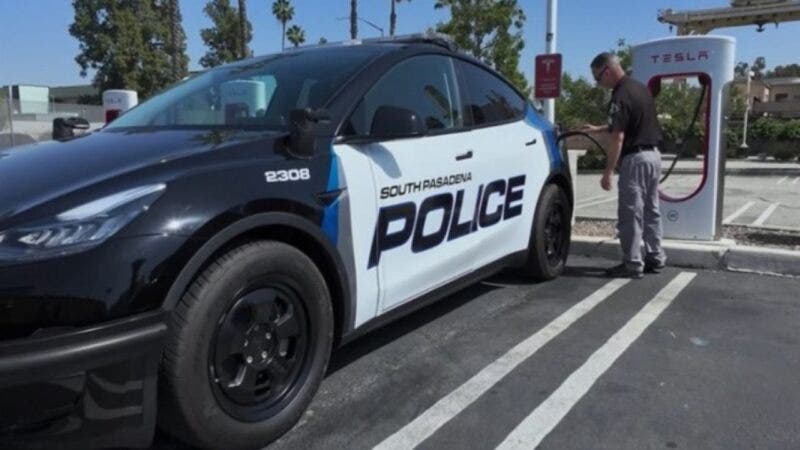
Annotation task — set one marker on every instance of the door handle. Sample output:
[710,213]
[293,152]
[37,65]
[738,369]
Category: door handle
[464,156]
[533,142]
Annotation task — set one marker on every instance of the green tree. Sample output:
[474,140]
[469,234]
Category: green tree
[393,17]
[284,12]
[224,38]
[758,67]
[296,35]
[323,40]
[581,102]
[790,70]
[490,30]
[176,44]
[244,34]
[623,52]
[131,44]
[353,19]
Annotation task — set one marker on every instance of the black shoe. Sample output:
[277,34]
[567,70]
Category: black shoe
[653,267]
[623,271]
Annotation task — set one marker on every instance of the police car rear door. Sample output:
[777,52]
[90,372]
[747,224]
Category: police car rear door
[423,237]
[511,162]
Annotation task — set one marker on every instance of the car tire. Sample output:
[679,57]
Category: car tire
[248,348]
[548,248]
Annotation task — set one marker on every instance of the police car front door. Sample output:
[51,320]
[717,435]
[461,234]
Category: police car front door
[423,236]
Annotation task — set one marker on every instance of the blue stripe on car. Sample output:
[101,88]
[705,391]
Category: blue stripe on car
[540,123]
[330,218]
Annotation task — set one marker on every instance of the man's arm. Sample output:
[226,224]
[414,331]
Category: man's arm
[612,157]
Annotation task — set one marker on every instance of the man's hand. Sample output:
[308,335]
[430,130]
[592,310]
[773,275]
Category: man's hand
[589,128]
[605,182]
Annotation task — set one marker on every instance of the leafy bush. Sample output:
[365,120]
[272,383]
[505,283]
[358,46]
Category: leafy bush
[592,160]
[765,129]
[779,138]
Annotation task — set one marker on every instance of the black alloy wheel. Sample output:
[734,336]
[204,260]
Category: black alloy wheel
[550,235]
[248,348]
[556,234]
[259,351]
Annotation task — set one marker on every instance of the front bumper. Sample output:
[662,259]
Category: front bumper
[83,388]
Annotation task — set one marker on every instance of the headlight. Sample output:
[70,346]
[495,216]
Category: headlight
[79,228]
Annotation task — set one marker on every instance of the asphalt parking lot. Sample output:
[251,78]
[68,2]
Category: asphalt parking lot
[754,200]
[683,359]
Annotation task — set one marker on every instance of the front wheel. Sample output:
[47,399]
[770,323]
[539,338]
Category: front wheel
[249,347]
[550,236]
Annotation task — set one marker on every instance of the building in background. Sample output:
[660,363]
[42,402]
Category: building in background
[78,94]
[773,97]
[29,99]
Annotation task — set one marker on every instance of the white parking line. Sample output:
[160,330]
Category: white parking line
[597,202]
[796,180]
[739,212]
[782,180]
[586,200]
[449,406]
[534,428]
[765,215]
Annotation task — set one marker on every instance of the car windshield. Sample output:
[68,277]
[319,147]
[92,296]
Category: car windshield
[258,93]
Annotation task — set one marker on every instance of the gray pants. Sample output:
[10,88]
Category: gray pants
[638,216]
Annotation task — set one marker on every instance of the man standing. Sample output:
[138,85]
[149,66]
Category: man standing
[635,135]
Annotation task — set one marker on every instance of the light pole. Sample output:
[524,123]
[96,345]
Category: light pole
[361,19]
[10,104]
[750,75]
[550,41]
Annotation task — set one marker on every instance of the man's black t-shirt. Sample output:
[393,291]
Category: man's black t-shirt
[633,110]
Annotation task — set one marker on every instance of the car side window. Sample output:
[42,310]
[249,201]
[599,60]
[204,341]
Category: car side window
[424,84]
[488,99]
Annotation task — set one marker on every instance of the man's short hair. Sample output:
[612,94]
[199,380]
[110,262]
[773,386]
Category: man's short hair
[604,59]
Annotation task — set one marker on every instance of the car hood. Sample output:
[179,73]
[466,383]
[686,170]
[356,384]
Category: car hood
[33,174]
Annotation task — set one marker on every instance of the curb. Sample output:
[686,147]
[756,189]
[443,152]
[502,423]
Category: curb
[722,255]
[766,171]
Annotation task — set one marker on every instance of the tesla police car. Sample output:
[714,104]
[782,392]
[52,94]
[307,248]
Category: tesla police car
[193,264]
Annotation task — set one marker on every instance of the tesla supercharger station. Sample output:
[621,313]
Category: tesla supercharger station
[707,61]
[117,101]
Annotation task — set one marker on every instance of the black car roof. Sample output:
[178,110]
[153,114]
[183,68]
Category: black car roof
[370,46]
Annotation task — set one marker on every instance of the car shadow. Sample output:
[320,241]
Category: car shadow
[396,329]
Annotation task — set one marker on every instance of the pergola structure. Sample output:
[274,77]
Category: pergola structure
[740,13]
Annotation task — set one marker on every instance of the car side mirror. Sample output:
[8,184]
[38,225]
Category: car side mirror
[64,127]
[302,140]
[392,122]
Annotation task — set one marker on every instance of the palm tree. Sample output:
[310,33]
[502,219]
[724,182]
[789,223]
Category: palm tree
[242,29]
[296,35]
[393,17]
[353,19]
[284,12]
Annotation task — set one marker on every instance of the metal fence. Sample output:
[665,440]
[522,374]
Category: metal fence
[29,122]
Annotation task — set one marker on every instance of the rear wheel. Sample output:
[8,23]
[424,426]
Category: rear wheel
[249,347]
[550,236]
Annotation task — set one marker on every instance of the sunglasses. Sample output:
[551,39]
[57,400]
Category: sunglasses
[600,75]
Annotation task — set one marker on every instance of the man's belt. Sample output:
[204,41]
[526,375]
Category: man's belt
[638,148]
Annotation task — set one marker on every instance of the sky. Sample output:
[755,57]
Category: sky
[36,47]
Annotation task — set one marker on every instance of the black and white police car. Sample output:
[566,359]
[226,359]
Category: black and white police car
[193,263]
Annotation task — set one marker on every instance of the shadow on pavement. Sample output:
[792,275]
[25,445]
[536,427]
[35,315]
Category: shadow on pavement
[388,333]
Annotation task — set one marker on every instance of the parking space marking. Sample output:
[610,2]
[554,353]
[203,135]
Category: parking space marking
[424,425]
[597,202]
[765,215]
[534,428]
[739,212]
[782,180]
[796,180]
[586,200]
